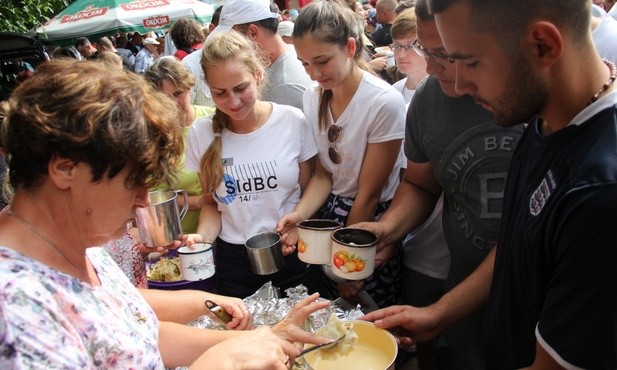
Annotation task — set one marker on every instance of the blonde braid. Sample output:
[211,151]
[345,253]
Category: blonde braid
[211,173]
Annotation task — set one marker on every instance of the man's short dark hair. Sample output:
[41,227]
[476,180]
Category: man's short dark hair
[81,41]
[404,5]
[507,19]
[422,11]
[216,15]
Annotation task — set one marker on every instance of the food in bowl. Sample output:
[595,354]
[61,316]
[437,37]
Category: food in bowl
[165,270]
[334,329]
[376,349]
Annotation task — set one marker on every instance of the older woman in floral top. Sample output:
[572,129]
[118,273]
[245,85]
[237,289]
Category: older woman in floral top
[85,144]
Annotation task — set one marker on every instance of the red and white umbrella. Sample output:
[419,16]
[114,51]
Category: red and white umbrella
[96,18]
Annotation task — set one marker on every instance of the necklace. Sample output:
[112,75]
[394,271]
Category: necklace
[46,240]
[611,79]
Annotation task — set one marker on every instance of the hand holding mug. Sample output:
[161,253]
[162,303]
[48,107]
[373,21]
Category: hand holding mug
[286,227]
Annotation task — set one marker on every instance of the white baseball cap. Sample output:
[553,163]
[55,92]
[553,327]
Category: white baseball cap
[285,28]
[243,11]
[150,40]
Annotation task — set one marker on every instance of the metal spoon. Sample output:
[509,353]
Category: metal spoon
[324,345]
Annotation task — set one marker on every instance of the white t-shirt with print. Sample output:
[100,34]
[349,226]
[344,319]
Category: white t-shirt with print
[375,114]
[261,170]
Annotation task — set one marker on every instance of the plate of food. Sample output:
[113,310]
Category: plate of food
[165,273]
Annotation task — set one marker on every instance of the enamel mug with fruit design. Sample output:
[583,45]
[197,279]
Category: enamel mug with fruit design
[314,243]
[353,253]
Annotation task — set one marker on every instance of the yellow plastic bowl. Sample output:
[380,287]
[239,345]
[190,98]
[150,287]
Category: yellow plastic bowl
[376,350]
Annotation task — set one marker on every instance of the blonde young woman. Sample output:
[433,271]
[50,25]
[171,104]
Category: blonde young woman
[357,120]
[253,158]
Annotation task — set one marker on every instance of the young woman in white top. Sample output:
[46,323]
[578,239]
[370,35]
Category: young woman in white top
[253,158]
[358,121]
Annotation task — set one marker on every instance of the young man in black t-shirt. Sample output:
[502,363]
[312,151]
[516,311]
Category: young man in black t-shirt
[553,297]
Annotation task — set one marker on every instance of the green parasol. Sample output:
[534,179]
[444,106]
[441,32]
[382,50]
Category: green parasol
[97,18]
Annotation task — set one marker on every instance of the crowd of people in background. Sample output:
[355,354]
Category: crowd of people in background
[364,112]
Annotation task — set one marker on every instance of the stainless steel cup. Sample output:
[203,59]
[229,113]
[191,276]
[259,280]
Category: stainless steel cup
[265,253]
[159,224]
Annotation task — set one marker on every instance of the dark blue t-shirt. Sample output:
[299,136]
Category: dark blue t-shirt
[555,276]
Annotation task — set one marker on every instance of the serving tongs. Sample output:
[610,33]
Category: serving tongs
[218,311]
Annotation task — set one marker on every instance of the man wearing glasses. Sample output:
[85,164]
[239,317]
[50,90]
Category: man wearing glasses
[408,62]
[453,147]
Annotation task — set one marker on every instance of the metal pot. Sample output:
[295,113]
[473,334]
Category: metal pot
[376,349]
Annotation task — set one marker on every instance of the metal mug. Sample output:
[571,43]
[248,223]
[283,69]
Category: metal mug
[159,224]
[265,253]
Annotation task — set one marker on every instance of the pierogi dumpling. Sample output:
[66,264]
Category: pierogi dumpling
[335,328]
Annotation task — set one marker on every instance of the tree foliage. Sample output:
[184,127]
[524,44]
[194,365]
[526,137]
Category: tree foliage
[24,15]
